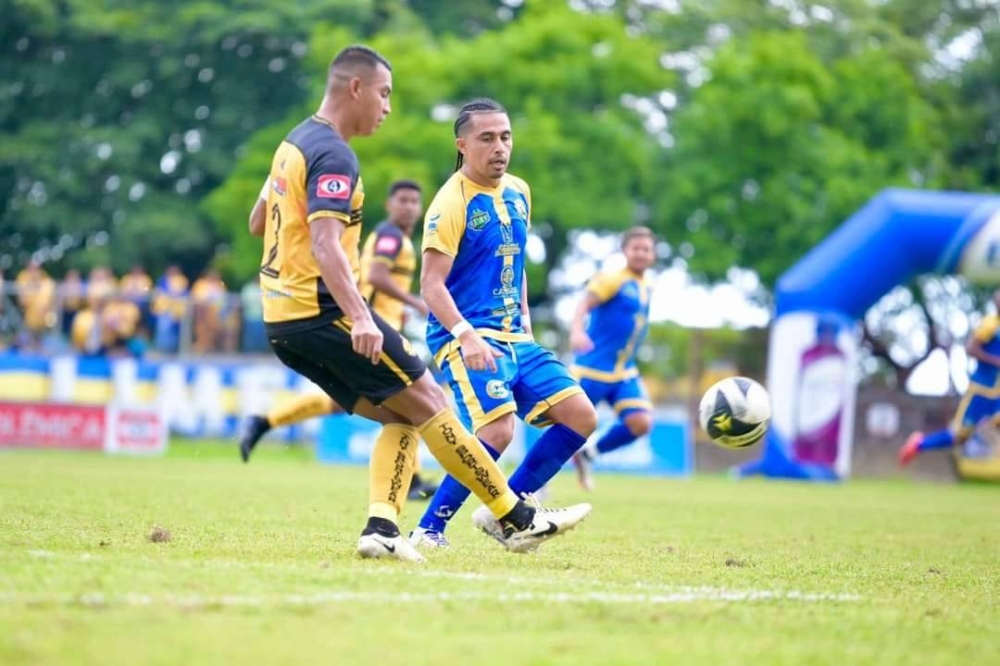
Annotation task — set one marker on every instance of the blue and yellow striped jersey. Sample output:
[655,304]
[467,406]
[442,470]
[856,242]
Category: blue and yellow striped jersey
[485,230]
[617,326]
[988,334]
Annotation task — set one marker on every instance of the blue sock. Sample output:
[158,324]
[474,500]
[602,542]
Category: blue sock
[618,436]
[448,499]
[544,460]
[942,439]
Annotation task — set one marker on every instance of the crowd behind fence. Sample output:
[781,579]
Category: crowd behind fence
[103,314]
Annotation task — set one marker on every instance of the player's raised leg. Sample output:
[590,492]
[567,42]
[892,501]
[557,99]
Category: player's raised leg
[294,411]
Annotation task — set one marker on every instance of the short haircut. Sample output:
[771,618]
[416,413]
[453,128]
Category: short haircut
[404,184]
[469,109]
[357,55]
[638,232]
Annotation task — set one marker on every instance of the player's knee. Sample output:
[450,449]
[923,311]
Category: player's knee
[498,434]
[639,423]
[584,418]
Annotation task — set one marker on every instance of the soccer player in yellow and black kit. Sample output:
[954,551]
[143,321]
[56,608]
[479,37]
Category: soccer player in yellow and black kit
[319,325]
[388,262]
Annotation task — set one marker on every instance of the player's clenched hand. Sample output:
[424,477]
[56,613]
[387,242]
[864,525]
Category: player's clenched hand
[580,342]
[477,353]
[366,339]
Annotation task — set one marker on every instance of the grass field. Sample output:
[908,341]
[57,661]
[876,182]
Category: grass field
[260,569]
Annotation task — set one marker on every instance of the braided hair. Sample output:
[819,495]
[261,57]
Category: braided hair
[481,105]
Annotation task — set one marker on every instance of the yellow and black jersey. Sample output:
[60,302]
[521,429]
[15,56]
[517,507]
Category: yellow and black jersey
[388,244]
[314,174]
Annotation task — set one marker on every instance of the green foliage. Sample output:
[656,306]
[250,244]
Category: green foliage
[779,147]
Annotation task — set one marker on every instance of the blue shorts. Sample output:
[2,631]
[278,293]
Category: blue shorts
[977,404]
[529,380]
[625,396]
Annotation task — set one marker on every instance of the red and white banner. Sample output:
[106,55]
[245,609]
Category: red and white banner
[82,427]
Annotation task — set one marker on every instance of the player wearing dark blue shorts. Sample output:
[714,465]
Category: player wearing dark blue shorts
[617,303]
[473,281]
[981,399]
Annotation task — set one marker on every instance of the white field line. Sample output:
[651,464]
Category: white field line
[587,589]
[100,600]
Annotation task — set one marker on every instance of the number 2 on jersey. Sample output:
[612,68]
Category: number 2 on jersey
[266,269]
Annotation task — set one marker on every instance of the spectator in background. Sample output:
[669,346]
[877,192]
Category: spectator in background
[208,296]
[136,287]
[101,283]
[107,326]
[169,307]
[120,320]
[36,295]
[254,335]
[73,297]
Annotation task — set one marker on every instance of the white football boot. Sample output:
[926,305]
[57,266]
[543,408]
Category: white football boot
[373,546]
[546,524]
[423,538]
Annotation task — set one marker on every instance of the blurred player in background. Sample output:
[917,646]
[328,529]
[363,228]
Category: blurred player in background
[320,326]
[617,303]
[479,330]
[388,262]
[981,399]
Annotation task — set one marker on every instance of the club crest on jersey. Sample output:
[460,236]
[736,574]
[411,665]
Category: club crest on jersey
[479,219]
[333,186]
[507,282]
[497,389]
[280,185]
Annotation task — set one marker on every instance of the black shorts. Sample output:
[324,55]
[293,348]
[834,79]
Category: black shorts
[324,355]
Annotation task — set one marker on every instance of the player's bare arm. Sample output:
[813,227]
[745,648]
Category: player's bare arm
[258,218]
[380,277]
[579,341]
[525,314]
[334,267]
[975,350]
[476,352]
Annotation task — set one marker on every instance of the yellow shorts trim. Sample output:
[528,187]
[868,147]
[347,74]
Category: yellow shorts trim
[500,336]
[468,396]
[532,418]
[610,377]
[632,403]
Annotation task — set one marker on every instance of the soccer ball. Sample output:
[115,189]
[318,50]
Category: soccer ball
[735,412]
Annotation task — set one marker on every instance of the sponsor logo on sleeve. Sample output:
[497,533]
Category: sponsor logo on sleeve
[333,186]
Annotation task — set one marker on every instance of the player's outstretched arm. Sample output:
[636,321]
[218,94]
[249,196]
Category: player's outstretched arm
[434,271]
[579,341]
[525,314]
[380,278]
[258,214]
[335,270]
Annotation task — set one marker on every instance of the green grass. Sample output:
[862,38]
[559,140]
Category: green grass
[260,569]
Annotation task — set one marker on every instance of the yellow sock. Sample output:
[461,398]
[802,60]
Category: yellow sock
[463,456]
[416,461]
[390,470]
[300,409]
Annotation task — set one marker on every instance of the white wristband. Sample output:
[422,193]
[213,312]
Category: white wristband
[263,190]
[461,327]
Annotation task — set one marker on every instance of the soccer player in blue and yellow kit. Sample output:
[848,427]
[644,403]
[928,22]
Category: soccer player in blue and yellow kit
[473,281]
[618,305]
[981,399]
[319,325]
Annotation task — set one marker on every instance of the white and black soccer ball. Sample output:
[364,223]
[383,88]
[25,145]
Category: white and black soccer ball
[735,412]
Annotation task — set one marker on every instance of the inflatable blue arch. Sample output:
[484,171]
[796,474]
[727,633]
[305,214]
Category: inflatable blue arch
[895,237]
